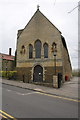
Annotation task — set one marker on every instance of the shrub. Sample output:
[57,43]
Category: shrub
[8,74]
[76,73]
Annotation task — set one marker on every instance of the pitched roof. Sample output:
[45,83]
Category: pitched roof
[6,57]
[64,44]
[20,31]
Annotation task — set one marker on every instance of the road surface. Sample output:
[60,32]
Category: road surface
[24,103]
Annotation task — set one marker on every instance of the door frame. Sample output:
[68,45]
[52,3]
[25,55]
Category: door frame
[32,71]
[35,74]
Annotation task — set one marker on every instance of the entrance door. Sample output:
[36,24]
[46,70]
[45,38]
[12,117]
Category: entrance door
[38,74]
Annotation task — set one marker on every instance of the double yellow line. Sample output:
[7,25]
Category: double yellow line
[6,116]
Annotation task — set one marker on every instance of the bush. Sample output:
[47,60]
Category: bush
[8,74]
[76,73]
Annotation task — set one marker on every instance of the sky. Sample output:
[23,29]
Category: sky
[15,14]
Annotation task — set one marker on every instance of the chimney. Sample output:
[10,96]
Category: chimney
[10,51]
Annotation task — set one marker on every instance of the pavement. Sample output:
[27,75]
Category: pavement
[69,89]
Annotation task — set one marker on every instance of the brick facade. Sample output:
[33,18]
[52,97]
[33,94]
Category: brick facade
[6,62]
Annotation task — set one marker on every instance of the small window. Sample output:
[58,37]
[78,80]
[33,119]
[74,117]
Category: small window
[38,49]
[30,51]
[45,50]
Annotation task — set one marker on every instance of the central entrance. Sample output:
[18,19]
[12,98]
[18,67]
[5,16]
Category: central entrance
[38,74]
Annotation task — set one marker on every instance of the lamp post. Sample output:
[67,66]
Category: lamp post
[55,78]
[54,50]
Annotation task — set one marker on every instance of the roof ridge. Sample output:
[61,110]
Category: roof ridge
[32,18]
[50,21]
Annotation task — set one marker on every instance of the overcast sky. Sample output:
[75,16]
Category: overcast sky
[15,14]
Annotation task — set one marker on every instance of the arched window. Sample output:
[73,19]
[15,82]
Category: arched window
[45,50]
[38,49]
[30,51]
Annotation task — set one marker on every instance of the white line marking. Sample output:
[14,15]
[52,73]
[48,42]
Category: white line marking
[8,90]
[38,89]
[26,93]
[20,93]
[29,93]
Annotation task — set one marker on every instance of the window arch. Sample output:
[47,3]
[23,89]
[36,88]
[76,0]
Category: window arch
[38,49]
[30,51]
[45,50]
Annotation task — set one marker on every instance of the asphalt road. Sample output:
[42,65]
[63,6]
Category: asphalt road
[23,103]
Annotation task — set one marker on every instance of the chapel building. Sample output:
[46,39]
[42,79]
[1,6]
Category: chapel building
[41,51]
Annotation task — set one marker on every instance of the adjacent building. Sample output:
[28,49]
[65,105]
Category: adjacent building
[7,61]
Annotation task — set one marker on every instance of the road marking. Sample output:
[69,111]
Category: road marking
[20,93]
[29,93]
[0,116]
[59,97]
[8,90]
[26,93]
[4,114]
[39,90]
[43,92]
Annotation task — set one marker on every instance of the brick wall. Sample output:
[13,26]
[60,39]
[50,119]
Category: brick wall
[9,64]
